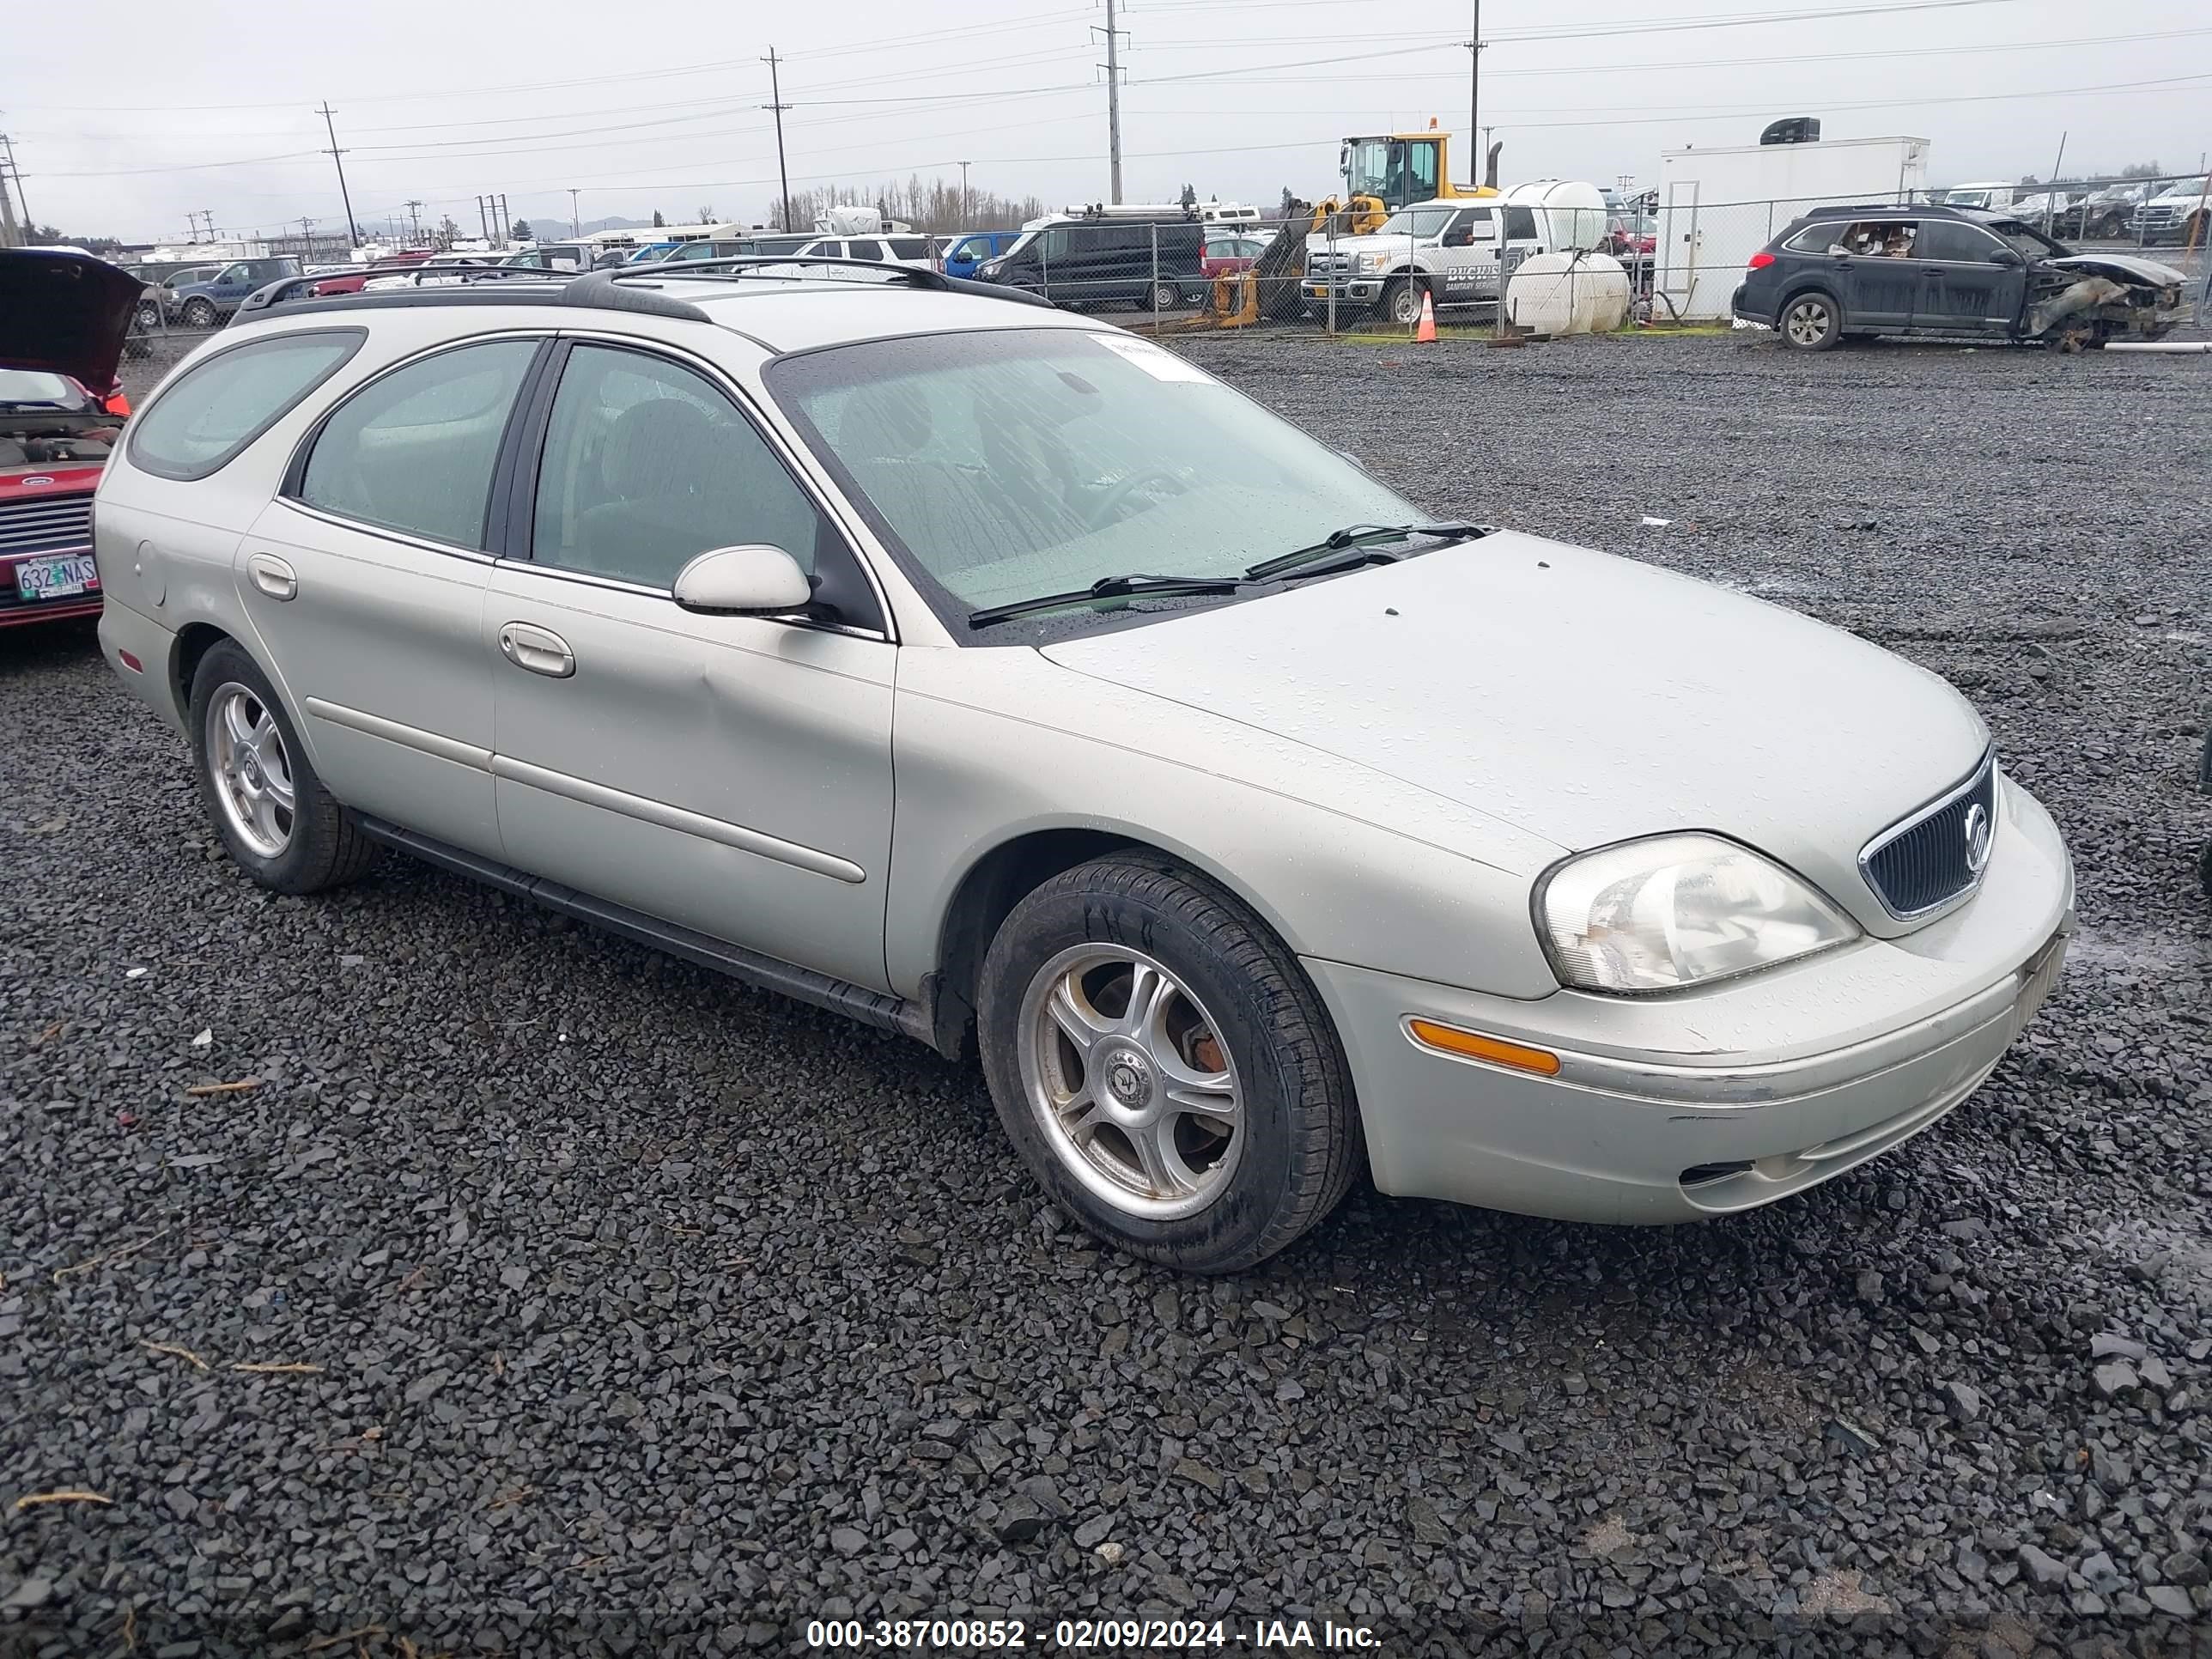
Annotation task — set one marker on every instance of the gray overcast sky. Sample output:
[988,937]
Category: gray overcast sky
[658,105]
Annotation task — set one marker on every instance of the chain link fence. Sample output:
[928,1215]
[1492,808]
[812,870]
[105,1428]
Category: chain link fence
[1700,248]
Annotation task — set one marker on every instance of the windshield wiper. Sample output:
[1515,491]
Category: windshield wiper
[1109,587]
[1361,535]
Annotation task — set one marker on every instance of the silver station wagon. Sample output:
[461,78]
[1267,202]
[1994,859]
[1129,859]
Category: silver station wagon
[1003,679]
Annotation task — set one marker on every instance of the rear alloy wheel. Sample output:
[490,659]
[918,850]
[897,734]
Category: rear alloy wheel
[1811,322]
[147,318]
[199,314]
[1165,296]
[276,820]
[1161,1062]
[1401,301]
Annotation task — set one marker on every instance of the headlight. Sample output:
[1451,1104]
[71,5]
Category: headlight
[1373,261]
[990,267]
[1677,910]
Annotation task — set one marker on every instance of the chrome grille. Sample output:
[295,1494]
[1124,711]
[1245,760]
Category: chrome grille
[45,524]
[1923,863]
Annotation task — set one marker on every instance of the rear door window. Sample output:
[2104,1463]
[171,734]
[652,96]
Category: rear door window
[1958,244]
[866,248]
[1520,224]
[910,247]
[227,401]
[414,450]
[1814,239]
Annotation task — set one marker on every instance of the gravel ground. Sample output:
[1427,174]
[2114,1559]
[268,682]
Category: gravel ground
[648,1314]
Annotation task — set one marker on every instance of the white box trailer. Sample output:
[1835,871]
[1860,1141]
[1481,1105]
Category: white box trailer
[1718,207]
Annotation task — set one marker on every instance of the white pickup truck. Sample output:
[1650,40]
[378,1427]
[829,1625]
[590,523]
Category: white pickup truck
[1452,249]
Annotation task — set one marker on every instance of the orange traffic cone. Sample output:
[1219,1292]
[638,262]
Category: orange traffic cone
[1427,333]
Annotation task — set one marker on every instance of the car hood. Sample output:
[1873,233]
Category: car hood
[1583,698]
[2124,264]
[64,314]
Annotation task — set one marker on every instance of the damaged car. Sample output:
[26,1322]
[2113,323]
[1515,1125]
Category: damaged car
[63,318]
[1920,270]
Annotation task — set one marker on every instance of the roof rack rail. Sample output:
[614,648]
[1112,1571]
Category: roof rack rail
[287,289]
[591,288]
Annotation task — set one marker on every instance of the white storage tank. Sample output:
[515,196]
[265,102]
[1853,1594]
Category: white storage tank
[1570,212]
[1568,294]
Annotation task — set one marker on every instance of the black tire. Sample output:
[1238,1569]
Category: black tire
[1811,321]
[1303,1147]
[147,318]
[1401,300]
[326,846]
[199,314]
[1161,296]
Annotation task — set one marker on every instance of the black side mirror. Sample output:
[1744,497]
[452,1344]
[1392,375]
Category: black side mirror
[2005,256]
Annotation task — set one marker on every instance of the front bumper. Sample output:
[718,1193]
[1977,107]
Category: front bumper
[1673,1107]
[1355,290]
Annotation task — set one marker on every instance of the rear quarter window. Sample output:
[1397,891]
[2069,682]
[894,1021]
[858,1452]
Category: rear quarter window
[1816,238]
[218,407]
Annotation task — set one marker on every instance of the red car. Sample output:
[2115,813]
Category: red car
[1225,255]
[63,318]
[400,261]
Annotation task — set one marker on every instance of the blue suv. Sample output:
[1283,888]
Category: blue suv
[966,251]
[202,305]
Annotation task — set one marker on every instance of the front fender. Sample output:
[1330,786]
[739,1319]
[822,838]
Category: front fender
[1343,863]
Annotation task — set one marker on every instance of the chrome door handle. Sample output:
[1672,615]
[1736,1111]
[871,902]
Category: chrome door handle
[539,650]
[273,576]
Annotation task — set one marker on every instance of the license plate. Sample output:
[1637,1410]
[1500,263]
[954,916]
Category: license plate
[57,579]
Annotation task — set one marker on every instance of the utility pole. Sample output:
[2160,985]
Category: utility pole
[353,231]
[16,173]
[415,219]
[575,217]
[1475,94]
[1113,107]
[776,95]
[964,192]
[8,232]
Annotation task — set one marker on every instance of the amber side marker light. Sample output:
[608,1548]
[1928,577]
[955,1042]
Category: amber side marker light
[1473,1045]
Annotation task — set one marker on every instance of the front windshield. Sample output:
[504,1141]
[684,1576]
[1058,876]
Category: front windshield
[2025,240]
[1418,222]
[1367,169]
[1006,463]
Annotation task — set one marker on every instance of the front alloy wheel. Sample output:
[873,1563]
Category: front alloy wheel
[1166,297]
[1129,1081]
[1163,1063]
[1403,303]
[200,314]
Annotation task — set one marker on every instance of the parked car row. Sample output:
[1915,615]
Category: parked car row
[2150,212]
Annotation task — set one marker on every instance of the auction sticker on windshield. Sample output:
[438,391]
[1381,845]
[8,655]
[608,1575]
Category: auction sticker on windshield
[1156,360]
